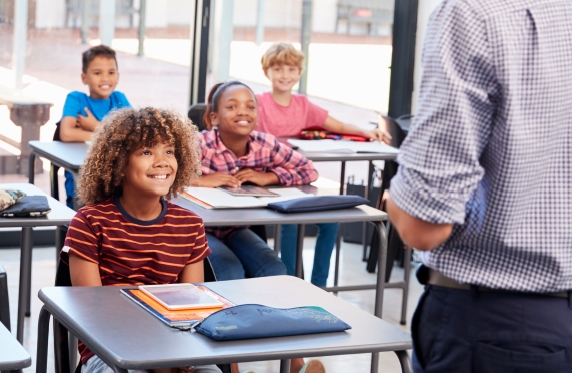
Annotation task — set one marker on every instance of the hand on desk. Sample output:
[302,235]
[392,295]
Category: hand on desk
[217,179]
[255,177]
[379,135]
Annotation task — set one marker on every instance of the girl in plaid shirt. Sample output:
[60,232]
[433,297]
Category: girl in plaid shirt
[232,154]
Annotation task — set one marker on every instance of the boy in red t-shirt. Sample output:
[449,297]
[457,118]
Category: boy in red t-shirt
[284,114]
[128,233]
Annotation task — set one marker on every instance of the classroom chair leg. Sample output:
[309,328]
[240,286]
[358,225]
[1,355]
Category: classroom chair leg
[43,332]
[404,361]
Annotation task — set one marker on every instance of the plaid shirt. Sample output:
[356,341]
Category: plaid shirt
[490,149]
[266,154]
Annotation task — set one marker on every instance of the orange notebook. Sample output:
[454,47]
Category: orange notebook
[175,318]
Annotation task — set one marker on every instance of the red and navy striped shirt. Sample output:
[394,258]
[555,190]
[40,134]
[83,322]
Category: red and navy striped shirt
[132,252]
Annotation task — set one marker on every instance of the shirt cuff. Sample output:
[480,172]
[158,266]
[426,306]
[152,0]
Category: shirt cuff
[413,196]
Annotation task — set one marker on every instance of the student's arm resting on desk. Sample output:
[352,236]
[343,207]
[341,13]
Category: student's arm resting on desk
[258,178]
[70,132]
[88,122]
[376,134]
[291,167]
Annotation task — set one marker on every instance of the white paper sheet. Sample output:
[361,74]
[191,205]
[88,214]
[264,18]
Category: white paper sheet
[342,146]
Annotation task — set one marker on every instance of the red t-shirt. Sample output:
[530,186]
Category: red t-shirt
[131,252]
[288,121]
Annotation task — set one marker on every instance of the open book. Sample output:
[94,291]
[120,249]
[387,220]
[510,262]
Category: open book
[175,318]
[341,146]
[213,198]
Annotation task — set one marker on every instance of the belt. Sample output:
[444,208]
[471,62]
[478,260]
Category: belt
[438,279]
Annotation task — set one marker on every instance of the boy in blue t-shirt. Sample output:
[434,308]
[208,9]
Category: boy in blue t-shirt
[83,113]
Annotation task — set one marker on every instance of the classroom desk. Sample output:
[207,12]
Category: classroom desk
[69,155]
[363,213]
[60,215]
[12,354]
[125,336]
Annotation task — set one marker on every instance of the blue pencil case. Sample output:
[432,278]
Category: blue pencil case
[322,203]
[250,321]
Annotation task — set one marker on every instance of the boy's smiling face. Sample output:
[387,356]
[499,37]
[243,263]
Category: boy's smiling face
[283,77]
[101,77]
[150,171]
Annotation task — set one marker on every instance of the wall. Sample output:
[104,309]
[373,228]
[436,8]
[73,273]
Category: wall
[50,13]
[426,7]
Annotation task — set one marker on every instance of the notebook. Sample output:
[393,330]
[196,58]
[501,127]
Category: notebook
[341,146]
[182,319]
[213,198]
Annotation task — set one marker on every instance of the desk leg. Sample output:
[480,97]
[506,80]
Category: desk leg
[42,349]
[75,180]
[367,189]
[285,366]
[381,260]
[299,248]
[374,362]
[404,361]
[338,249]
[277,235]
[31,167]
[342,178]
[54,186]
[25,274]
[407,275]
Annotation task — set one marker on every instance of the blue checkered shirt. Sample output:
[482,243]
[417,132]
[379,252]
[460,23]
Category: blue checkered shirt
[490,149]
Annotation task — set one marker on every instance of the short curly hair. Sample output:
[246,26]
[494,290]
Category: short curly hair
[123,132]
[282,54]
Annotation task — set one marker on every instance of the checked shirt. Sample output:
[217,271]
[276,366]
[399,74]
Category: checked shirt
[490,148]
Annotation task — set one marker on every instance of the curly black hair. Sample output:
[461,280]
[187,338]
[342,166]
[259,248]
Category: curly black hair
[125,131]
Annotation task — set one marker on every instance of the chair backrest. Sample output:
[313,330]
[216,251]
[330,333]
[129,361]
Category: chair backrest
[4,301]
[196,113]
[392,126]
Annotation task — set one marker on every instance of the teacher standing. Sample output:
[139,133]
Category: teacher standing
[484,188]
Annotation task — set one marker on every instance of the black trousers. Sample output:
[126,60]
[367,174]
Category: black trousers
[463,331]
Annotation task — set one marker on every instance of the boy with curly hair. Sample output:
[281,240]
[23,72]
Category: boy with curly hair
[128,233]
[83,113]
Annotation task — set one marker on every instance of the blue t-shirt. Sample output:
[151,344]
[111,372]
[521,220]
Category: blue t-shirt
[76,102]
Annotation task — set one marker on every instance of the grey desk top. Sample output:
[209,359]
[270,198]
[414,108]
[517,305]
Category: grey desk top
[260,216]
[69,155]
[60,214]
[230,217]
[12,354]
[124,334]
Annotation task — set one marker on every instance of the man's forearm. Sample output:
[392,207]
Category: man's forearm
[415,232]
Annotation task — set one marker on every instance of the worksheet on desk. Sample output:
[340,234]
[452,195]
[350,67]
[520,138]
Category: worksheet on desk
[342,146]
[218,199]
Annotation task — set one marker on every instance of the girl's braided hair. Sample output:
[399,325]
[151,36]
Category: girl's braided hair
[126,130]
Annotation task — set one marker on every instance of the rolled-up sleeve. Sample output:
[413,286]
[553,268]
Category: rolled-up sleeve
[440,158]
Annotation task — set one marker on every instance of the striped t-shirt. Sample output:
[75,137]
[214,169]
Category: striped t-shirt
[132,252]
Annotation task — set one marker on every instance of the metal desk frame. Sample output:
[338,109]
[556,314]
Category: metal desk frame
[60,215]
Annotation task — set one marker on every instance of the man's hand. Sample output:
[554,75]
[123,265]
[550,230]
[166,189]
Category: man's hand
[379,135]
[89,122]
[255,177]
[217,179]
